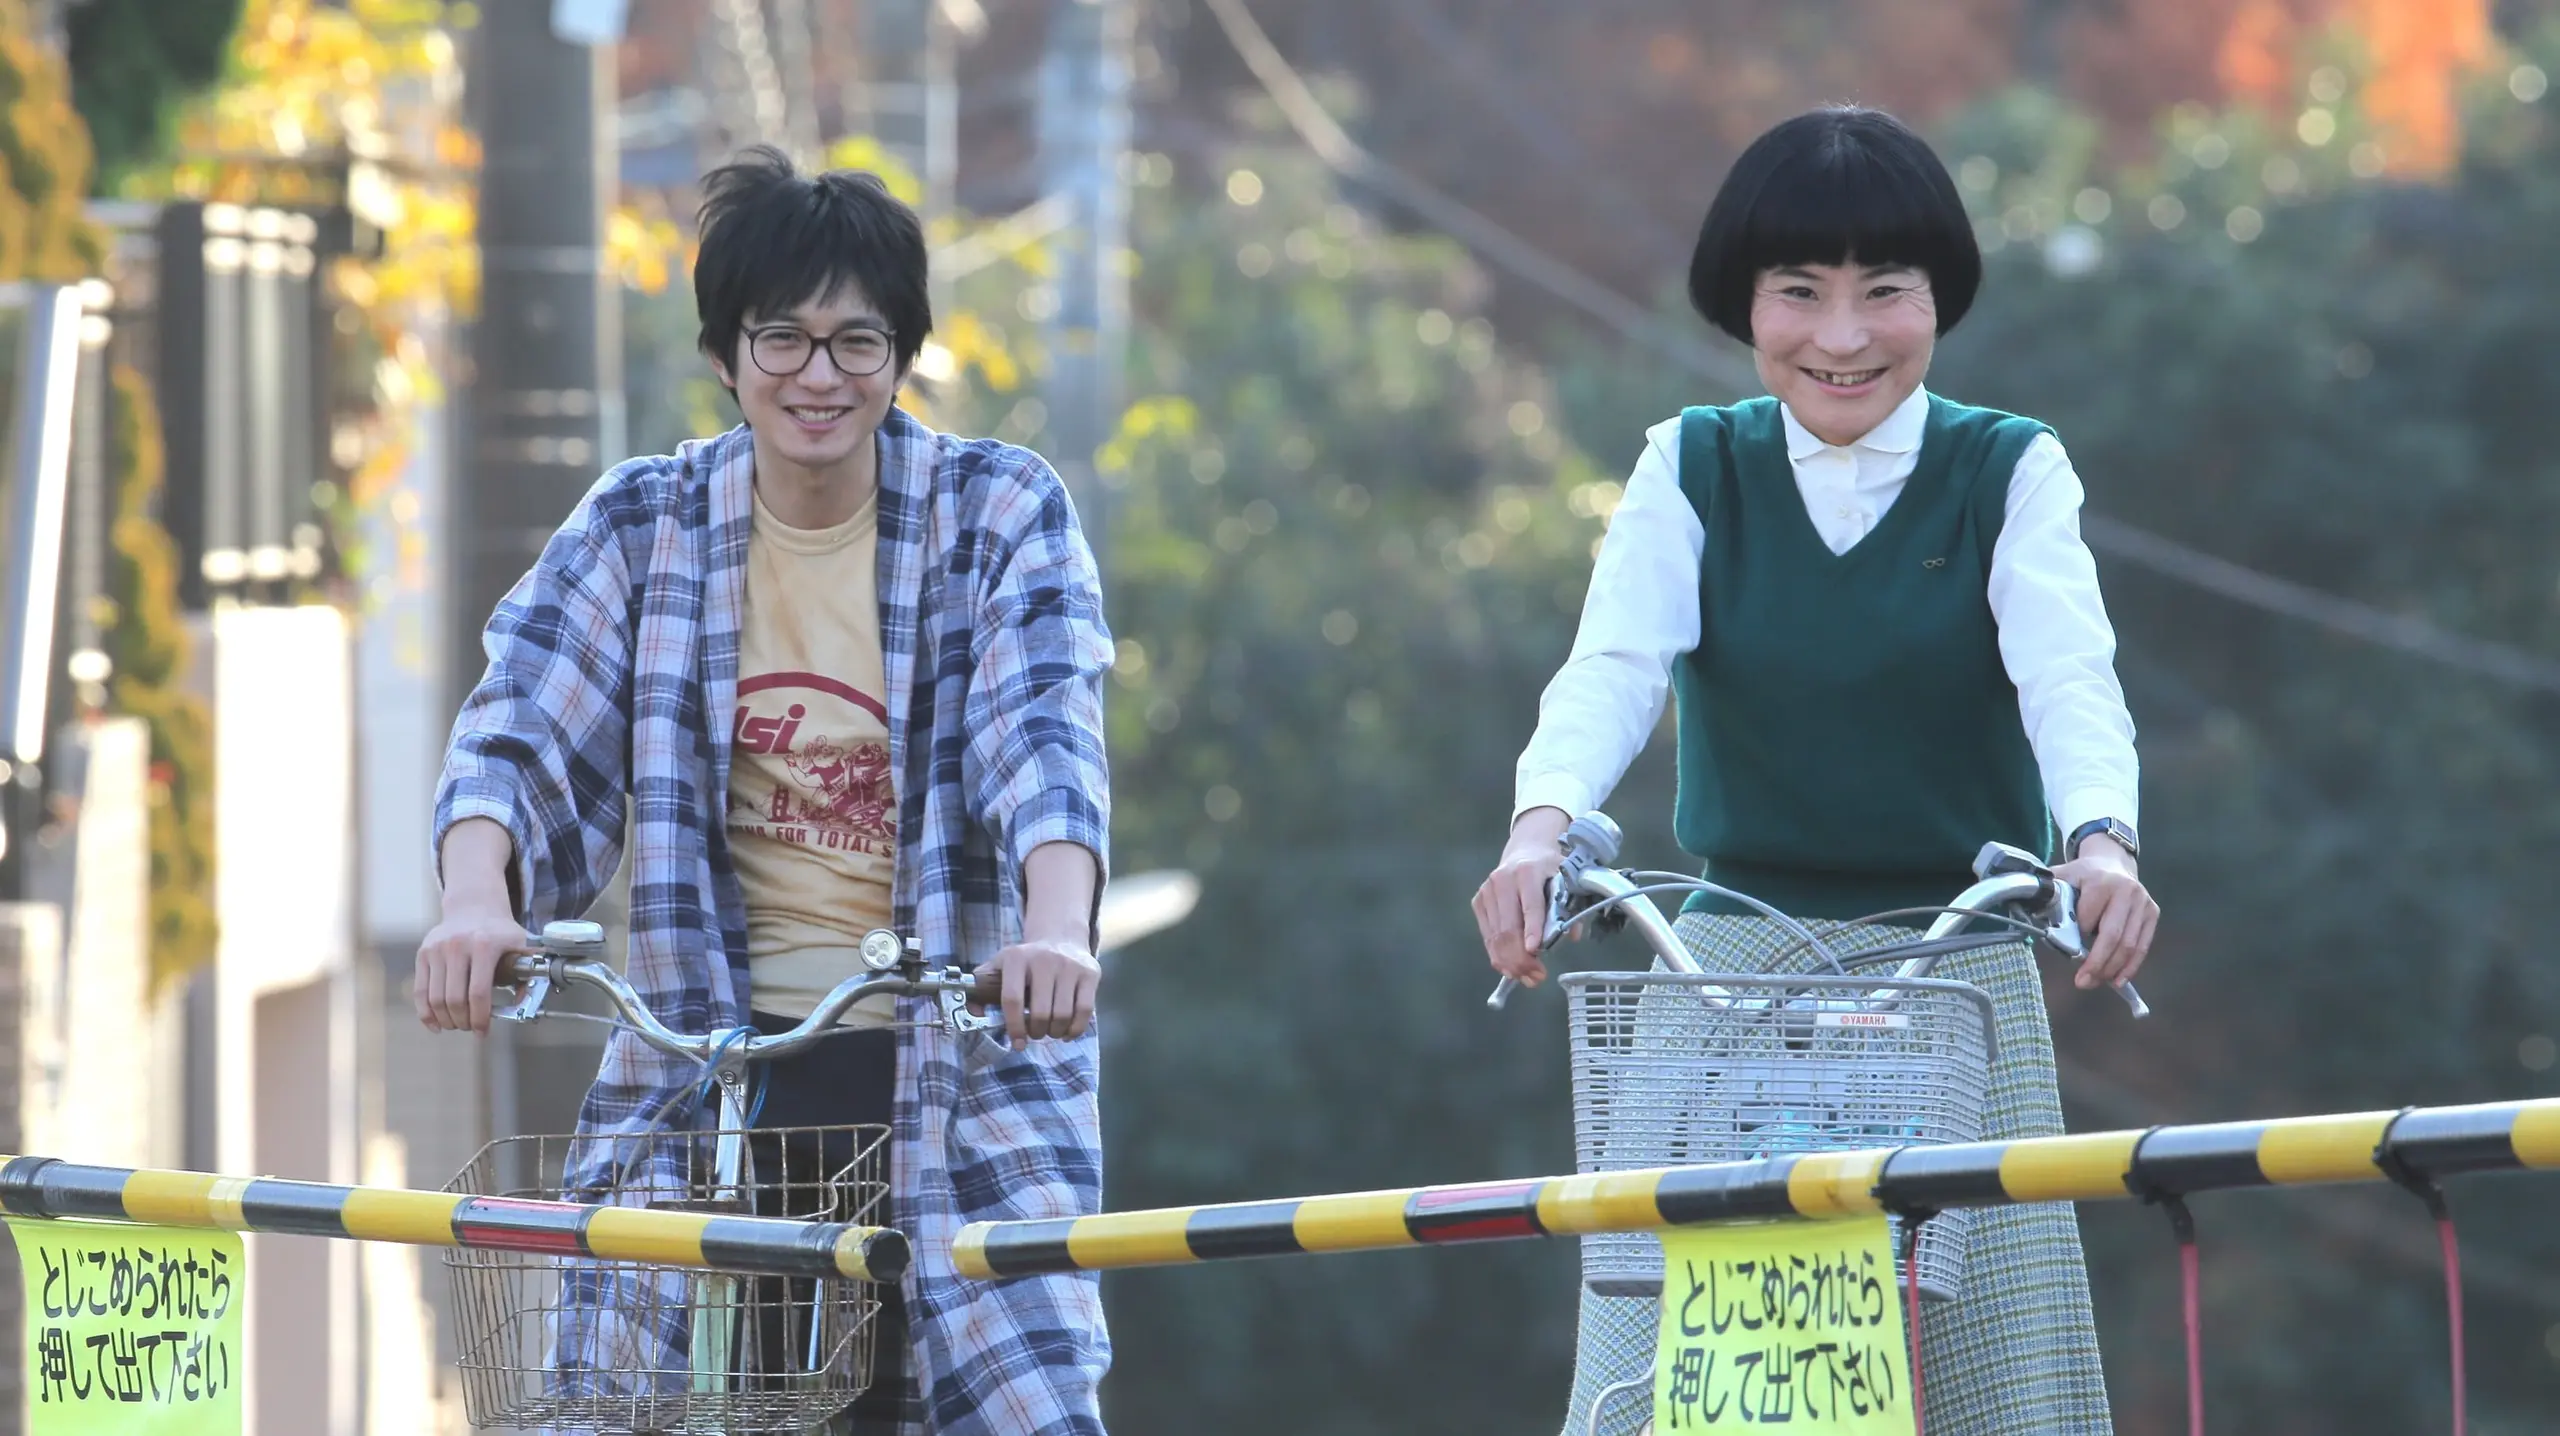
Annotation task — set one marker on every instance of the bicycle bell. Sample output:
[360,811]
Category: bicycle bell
[1593,837]
[1589,841]
[573,940]
[1999,860]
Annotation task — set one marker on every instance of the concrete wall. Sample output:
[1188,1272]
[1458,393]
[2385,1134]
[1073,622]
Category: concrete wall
[30,940]
[75,1004]
[87,1099]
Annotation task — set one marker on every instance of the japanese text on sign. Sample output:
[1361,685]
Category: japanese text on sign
[130,1330]
[1796,1324]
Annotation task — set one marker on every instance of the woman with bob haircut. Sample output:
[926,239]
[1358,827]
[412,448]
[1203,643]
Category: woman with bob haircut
[1887,646]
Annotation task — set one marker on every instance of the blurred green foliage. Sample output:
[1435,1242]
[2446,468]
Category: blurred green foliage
[148,640]
[2343,381]
[2342,385]
[44,163]
[134,63]
[1347,528]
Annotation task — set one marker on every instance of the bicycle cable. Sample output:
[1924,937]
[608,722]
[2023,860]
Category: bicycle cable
[1657,881]
[1879,918]
[618,1024]
[659,1116]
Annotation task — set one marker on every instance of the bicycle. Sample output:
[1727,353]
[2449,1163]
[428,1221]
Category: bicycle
[573,1343]
[1678,1066]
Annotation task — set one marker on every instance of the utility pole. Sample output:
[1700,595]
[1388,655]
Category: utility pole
[544,415]
[1084,145]
[905,98]
[757,107]
[794,38]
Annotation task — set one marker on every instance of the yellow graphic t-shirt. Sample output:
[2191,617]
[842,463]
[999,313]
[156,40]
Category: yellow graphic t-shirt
[813,814]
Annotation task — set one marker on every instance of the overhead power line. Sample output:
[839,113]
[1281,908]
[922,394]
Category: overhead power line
[1317,129]
[1481,75]
[1346,157]
[2171,559]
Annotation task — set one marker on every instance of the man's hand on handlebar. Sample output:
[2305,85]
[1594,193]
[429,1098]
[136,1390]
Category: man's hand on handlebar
[1047,987]
[459,959]
[458,964]
[2117,914]
[1511,904]
[1048,978]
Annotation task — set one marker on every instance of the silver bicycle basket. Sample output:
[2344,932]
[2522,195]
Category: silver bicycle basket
[1681,1069]
[565,1342]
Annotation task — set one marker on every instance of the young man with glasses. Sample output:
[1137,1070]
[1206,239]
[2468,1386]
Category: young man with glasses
[839,672]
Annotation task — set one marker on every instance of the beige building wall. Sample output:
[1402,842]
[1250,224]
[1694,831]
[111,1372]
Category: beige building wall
[285,1060]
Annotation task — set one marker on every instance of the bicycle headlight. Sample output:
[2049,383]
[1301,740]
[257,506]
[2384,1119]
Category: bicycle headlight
[881,949]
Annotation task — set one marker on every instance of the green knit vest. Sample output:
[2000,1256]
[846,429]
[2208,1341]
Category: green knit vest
[1849,737]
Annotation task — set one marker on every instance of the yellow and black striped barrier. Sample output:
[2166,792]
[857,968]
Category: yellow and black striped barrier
[2419,1145]
[45,1187]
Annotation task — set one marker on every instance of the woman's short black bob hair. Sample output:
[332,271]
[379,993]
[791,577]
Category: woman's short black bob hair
[773,239]
[1836,184]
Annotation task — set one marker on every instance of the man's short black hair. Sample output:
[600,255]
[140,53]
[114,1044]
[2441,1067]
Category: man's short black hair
[1839,183]
[773,239]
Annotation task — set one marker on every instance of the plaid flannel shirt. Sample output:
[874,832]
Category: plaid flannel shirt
[613,670]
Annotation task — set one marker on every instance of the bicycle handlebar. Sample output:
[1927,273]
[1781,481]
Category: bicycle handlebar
[1590,844]
[2013,878]
[2009,879]
[571,953]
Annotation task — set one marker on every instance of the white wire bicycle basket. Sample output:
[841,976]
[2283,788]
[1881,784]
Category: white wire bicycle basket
[1680,1069]
[575,1343]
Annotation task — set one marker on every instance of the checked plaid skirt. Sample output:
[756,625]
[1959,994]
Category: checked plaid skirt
[2018,1352]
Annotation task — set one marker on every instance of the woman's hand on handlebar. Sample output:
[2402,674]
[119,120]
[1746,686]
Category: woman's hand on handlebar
[1511,904]
[2117,914]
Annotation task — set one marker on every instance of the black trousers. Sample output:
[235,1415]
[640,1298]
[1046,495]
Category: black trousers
[846,1079]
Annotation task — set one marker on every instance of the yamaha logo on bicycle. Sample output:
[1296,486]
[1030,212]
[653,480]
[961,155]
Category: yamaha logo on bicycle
[1861,1019]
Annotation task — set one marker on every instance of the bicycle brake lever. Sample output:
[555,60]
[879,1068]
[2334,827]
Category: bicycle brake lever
[956,1013]
[2063,935]
[1588,841]
[1559,898]
[563,940]
[528,1004]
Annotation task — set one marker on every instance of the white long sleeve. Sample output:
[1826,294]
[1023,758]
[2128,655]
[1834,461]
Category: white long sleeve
[2058,646]
[1642,613]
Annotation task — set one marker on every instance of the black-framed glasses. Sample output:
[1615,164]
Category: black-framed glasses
[782,350]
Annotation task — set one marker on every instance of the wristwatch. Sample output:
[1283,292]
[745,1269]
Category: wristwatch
[2121,832]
